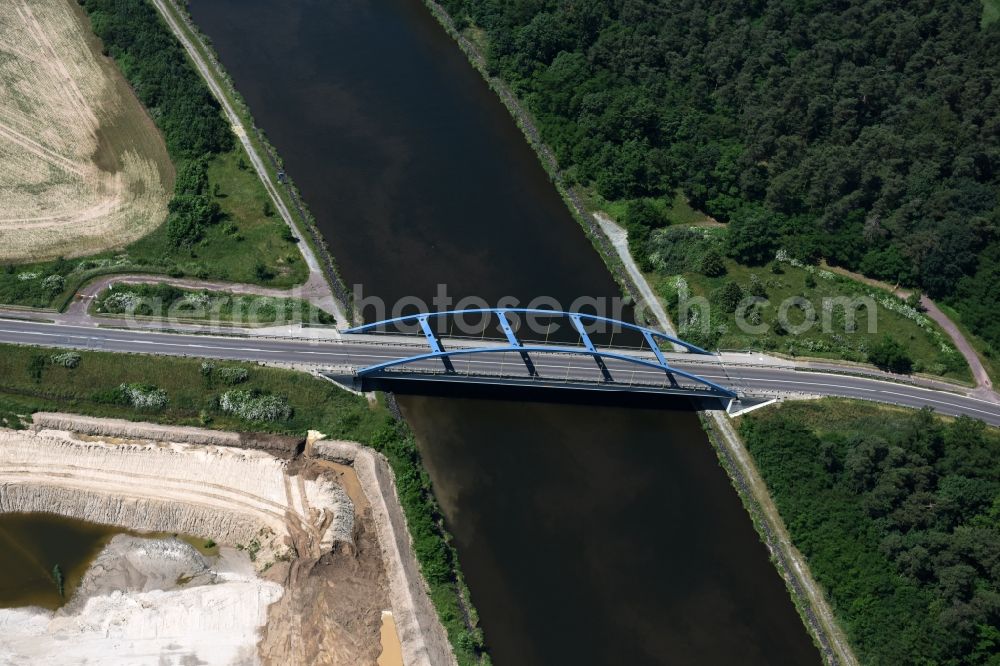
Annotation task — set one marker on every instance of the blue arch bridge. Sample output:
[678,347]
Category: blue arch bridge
[424,354]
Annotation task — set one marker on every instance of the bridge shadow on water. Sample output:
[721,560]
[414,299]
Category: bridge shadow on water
[542,394]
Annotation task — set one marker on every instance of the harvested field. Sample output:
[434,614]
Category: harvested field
[82,166]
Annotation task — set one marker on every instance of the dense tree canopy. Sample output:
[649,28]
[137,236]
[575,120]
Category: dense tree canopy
[156,66]
[192,209]
[890,355]
[899,515]
[868,132]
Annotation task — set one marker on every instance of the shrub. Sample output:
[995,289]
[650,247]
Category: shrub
[678,249]
[36,366]
[57,578]
[142,396]
[118,302]
[712,264]
[730,296]
[262,272]
[255,406]
[233,376]
[54,283]
[66,359]
[641,217]
[189,216]
[890,355]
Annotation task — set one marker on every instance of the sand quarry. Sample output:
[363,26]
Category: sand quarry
[314,567]
[82,167]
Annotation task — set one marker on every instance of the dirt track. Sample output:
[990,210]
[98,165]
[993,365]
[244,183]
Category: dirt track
[979,374]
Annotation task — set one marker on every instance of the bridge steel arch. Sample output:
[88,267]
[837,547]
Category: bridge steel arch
[531,311]
[515,345]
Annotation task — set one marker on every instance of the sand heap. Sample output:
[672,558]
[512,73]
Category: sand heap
[148,601]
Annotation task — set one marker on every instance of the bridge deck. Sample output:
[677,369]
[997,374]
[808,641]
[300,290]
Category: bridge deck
[378,381]
[489,363]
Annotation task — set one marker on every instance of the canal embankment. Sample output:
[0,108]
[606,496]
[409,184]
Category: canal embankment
[324,288]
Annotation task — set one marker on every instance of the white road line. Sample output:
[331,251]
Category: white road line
[363,352]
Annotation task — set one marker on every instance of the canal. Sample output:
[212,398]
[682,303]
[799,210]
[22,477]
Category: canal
[589,533]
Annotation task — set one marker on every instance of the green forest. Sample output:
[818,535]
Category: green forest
[864,132]
[158,70]
[899,515]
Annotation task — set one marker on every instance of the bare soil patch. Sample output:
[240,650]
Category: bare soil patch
[82,166]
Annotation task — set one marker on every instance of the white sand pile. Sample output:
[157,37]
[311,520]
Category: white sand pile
[148,601]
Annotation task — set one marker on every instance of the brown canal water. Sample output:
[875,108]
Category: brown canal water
[590,532]
[32,544]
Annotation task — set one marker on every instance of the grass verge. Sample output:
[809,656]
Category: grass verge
[850,318]
[162,301]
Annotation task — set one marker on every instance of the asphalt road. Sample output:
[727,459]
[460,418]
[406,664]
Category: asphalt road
[340,355]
